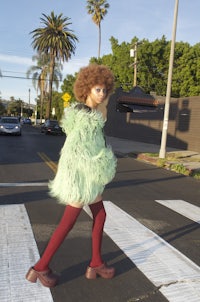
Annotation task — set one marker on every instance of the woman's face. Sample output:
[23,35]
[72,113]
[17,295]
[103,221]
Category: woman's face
[96,96]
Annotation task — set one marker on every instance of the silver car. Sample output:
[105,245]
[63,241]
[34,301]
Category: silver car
[10,125]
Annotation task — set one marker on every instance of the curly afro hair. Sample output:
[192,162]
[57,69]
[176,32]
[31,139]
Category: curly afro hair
[90,76]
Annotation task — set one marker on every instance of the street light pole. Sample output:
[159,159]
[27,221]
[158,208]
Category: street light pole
[169,84]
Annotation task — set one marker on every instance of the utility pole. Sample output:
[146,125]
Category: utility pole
[21,113]
[29,96]
[162,153]
[133,53]
[135,65]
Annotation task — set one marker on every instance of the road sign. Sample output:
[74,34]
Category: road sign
[66,97]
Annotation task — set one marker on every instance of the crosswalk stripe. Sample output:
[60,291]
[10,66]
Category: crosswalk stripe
[18,252]
[182,207]
[175,275]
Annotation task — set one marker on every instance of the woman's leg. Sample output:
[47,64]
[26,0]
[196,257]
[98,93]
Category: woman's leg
[97,266]
[99,216]
[67,222]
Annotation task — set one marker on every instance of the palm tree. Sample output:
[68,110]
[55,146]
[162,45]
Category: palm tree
[57,40]
[40,76]
[98,9]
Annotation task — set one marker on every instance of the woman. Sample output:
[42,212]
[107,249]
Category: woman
[85,166]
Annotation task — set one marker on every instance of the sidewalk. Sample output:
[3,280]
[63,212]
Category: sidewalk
[182,161]
[126,146]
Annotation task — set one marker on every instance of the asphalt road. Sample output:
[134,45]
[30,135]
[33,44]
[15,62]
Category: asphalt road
[32,158]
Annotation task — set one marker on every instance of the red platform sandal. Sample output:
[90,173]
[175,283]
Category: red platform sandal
[47,278]
[103,271]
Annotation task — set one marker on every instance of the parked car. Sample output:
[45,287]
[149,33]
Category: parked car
[10,125]
[51,127]
[27,121]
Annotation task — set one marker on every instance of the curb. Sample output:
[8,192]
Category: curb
[181,167]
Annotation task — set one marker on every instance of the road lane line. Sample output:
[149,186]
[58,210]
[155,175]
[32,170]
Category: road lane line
[23,184]
[18,252]
[175,275]
[182,207]
[52,165]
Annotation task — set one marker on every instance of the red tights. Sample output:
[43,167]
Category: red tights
[66,224]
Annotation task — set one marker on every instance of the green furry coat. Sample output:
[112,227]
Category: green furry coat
[86,164]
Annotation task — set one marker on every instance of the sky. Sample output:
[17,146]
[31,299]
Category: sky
[145,19]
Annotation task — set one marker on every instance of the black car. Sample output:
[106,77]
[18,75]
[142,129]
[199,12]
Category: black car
[51,127]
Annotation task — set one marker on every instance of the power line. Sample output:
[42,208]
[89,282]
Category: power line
[11,71]
[15,77]
[25,78]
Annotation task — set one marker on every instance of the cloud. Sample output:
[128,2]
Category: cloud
[19,87]
[74,65]
[68,67]
[15,60]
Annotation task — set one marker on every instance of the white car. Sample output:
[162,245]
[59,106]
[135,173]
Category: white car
[10,125]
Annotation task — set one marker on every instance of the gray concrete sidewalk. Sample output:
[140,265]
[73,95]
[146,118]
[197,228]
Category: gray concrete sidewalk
[126,146]
[188,159]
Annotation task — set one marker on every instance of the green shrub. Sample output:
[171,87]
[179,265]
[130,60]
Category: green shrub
[196,175]
[179,168]
[161,162]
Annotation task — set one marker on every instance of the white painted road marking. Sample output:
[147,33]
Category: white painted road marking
[18,251]
[182,207]
[176,276]
[23,184]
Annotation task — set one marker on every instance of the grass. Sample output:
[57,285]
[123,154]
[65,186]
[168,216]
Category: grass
[173,162]
[196,175]
[179,168]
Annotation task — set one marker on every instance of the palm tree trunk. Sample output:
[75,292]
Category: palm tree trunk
[42,93]
[51,76]
[41,105]
[99,50]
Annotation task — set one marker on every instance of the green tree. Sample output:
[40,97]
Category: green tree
[195,69]
[120,63]
[56,39]
[14,107]
[40,76]
[153,65]
[153,58]
[2,109]
[67,86]
[57,103]
[98,9]
[186,77]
